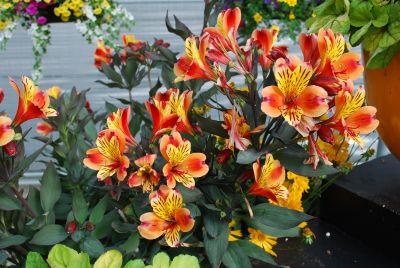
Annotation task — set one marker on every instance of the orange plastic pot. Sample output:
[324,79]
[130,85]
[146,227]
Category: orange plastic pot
[383,92]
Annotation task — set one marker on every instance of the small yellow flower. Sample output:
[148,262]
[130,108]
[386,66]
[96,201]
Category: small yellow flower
[7,6]
[291,15]
[313,14]
[201,110]
[291,3]
[54,92]
[257,17]
[338,152]
[262,240]
[97,11]
[106,4]
[234,234]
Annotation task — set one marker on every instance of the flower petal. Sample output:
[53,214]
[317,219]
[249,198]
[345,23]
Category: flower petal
[363,120]
[146,160]
[194,164]
[172,235]
[313,101]
[183,219]
[151,227]
[348,66]
[273,101]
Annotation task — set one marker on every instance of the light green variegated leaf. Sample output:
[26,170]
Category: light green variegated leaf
[110,259]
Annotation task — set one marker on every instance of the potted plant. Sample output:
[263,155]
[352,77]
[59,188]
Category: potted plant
[375,25]
[94,19]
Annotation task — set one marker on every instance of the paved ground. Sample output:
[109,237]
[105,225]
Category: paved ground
[69,61]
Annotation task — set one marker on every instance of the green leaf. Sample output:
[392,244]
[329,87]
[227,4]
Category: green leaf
[82,260]
[130,71]
[35,260]
[249,156]
[131,244]
[391,36]
[360,13]
[212,127]
[235,257]
[34,200]
[340,24]
[381,16]
[168,54]
[111,108]
[184,260]
[102,229]
[322,22]
[98,211]
[216,246]
[50,190]
[111,74]
[382,57]
[168,76]
[180,29]
[110,259]
[161,260]
[357,35]
[293,160]
[79,206]
[8,202]
[49,235]
[135,264]
[61,256]
[93,247]
[13,240]
[372,38]
[279,217]
[156,87]
[189,195]
[258,224]
[255,252]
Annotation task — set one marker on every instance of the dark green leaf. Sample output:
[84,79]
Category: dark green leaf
[131,244]
[123,228]
[99,210]
[258,224]
[235,257]
[391,36]
[93,247]
[8,202]
[357,35]
[110,84]
[13,240]
[111,108]
[189,195]
[249,156]
[111,74]
[130,71]
[35,260]
[167,53]
[34,200]
[168,76]
[102,229]
[216,247]
[156,87]
[212,127]
[50,190]
[293,160]
[49,235]
[255,252]
[180,29]
[213,223]
[279,217]
[79,206]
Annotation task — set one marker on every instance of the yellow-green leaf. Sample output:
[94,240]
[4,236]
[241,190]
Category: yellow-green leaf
[110,259]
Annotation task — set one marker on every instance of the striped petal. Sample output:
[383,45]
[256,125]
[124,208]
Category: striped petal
[183,219]
[348,66]
[151,226]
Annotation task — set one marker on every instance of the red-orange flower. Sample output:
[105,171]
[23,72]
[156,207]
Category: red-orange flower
[120,120]
[44,128]
[168,218]
[169,111]
[32,102]
[183,166]
[293,97]
[102,54]
[108,158]
[146,176]
[6,131]
[350,118]
[269,179]
[193,64]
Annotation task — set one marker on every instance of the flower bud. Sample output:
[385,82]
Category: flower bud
[88,108]
[89,226]
[10,148]
[223,156]
[326,134]
[71,227]
[1,95]
[17,136]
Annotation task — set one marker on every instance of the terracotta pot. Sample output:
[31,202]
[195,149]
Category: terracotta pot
[383,92]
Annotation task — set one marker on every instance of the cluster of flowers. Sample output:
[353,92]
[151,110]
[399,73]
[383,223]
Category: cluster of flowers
[289,15]
[315,95]
[94,19]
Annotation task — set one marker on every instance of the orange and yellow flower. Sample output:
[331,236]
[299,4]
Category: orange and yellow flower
[264,39]
[146,176]
[183,166]
[293,97]
[108,158]
[54,92]
[44,128]
[32,102]
[269,179]
[350,118]
[238,129]
[193,64]
[120,120]
[169,111]
[262,240]
[168,218]
[6,131]
[102,54]
[129,39]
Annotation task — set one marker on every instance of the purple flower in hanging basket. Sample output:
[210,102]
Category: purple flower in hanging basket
[267,2]
[31,9]
[17,7]
[41,20]
[276,5]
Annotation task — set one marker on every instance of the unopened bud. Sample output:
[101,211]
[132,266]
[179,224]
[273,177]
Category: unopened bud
[326,134]
[71,227]
[10,148]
